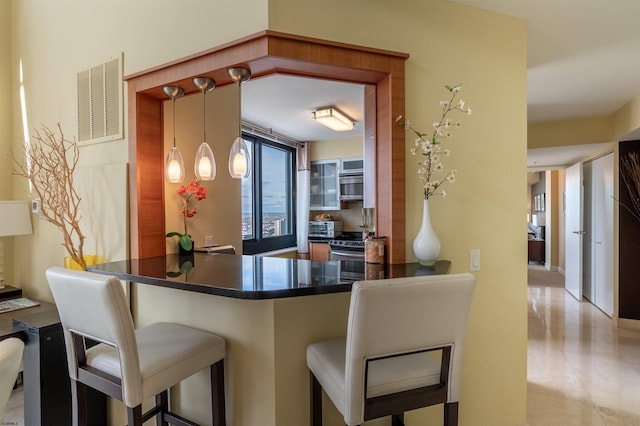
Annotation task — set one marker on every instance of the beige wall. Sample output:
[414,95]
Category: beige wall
[561,220]
[570,132]
[554,204]
[220,214]
[5,102]
[335,148]
[448,43]
[627,118]
[6,243]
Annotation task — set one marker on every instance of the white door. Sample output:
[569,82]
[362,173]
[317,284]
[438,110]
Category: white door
[603,233]
[573,230]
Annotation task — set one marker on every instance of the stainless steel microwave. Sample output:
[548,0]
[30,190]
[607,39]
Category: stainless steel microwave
[351,187]
[351,179]
[325,228]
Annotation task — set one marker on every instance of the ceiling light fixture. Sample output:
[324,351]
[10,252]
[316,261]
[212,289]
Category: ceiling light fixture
[174,166]
[333,119]
[205,162]
[239,158]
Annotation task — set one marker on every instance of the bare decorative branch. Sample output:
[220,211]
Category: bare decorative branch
[52,161]
[630,168]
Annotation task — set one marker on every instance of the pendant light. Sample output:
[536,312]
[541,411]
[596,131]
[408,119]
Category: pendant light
[174,166]
[239,158]
[205,163]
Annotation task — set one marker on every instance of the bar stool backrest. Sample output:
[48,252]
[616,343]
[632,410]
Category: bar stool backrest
[94,306]
[401,316]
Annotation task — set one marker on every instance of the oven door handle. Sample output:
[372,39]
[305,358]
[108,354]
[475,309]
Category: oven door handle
[352,253]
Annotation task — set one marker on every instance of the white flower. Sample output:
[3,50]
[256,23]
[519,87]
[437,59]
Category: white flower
[430,145]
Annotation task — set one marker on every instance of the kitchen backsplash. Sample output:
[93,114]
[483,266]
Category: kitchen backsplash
[352,219]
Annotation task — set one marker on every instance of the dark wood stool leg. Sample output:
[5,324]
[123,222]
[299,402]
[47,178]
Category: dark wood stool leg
[162,402]
[397,419]
[78,403]
[217,394]
[316,402]
[451,414]
[134,416]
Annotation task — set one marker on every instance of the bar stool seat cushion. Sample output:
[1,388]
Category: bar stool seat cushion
[326,360]
[168,352]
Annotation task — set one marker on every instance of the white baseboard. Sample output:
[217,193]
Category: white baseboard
[561,271]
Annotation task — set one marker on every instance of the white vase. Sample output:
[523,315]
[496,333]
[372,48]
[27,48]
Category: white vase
[426,245]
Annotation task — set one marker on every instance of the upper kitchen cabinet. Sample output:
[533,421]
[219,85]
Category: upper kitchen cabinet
[324,185]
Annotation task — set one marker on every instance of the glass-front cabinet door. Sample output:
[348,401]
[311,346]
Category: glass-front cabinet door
[325,190]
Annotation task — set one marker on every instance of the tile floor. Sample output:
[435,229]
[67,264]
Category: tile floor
[582,370]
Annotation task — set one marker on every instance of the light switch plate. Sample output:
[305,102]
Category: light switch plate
[474,260]
[35,206]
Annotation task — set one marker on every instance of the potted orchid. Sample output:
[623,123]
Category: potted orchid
[431,170]
[191,193]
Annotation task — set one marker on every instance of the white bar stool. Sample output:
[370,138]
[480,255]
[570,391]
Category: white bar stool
[128,364]
[403,350]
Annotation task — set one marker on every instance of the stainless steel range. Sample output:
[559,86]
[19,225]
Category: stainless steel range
[350,253]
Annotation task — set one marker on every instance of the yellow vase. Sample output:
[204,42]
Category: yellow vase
[90,259]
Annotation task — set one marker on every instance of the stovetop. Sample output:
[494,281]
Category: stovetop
[346,244]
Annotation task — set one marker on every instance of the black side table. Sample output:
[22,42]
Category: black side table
[9,292]
[47,387]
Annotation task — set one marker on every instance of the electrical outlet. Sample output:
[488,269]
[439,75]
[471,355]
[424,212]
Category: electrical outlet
[208,241]
[474,260]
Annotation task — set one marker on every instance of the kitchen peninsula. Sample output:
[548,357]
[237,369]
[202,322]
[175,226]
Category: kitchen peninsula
[268,309]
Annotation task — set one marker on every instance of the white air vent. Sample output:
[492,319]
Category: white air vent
[100,103]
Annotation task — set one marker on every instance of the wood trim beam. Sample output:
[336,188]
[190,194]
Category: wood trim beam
[266,53]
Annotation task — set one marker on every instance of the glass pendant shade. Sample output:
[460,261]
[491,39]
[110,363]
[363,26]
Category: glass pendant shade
[239,160]
[205,163]
[174,166]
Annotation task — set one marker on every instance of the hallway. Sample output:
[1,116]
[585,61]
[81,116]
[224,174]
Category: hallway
[581,370]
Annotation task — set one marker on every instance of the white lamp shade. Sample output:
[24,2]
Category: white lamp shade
[174,167]
[539,220]
[15,218]
[239,160]
[205,163]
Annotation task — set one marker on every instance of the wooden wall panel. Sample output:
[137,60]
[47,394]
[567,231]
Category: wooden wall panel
[629,247]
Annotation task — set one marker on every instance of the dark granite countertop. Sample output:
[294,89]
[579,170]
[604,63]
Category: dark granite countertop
[253,277]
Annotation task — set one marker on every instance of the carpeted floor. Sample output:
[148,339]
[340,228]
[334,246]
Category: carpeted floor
[538,276]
